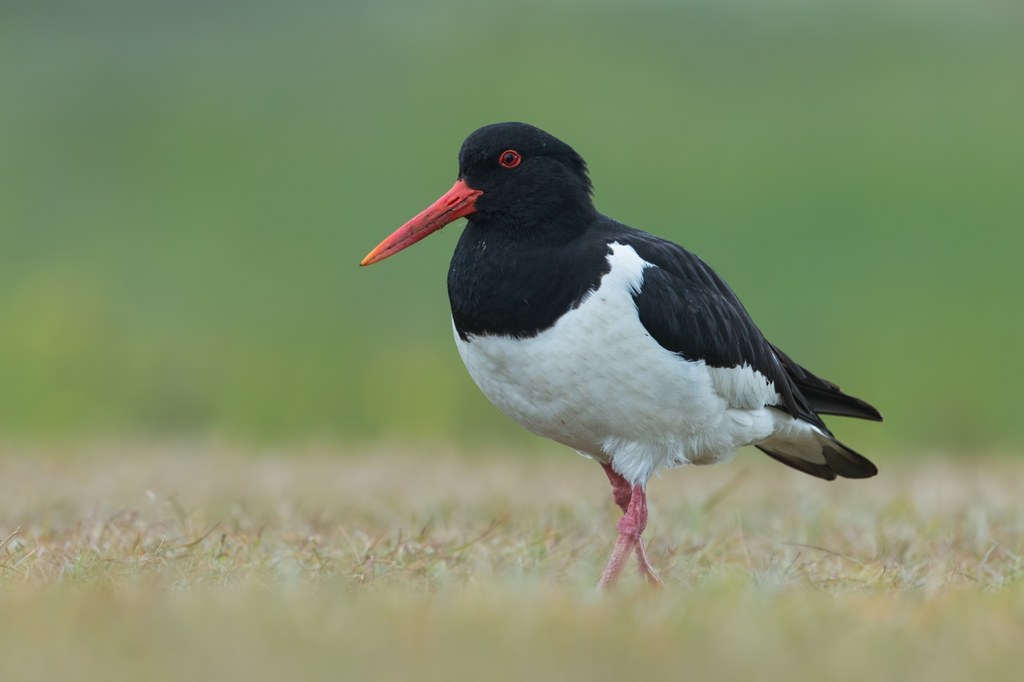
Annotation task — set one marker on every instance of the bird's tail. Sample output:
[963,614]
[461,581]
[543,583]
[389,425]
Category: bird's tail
[823,396]
[818,453]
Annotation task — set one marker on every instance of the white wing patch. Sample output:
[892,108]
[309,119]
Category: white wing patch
[744,387]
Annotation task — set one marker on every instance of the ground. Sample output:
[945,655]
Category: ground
[199,561]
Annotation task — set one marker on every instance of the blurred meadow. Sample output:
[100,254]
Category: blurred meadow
[188,187]
[217,432]
[160,563]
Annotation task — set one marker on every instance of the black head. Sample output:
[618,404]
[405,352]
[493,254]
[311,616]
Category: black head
[512,176]
[526,175]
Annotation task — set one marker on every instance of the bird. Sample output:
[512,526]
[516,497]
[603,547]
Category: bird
[621,345]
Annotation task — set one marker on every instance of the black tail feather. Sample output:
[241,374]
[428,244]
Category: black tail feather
[823,396]
[847,463]
[839,460]
[819,470]
[835,402]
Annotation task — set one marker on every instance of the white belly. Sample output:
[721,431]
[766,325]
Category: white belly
[597,382]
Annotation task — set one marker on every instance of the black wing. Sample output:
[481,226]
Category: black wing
[688,309]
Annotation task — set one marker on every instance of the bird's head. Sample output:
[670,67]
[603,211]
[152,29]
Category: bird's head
[511,175]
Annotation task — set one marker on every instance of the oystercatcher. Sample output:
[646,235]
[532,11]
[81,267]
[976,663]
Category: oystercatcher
[621,345]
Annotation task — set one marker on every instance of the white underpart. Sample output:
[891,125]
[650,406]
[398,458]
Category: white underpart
[597,382]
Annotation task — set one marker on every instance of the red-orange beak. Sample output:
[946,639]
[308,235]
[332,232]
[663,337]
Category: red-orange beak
[457,202]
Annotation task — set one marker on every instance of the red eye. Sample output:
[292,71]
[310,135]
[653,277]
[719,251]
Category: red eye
[510,158]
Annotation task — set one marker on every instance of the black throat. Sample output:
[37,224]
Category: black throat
[516,280]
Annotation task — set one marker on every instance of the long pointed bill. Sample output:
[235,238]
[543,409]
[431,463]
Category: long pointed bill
[457,202]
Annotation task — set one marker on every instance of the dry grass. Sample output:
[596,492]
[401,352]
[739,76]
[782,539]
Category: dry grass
[207,563]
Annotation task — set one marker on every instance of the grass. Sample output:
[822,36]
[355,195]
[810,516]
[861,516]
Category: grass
[206,562]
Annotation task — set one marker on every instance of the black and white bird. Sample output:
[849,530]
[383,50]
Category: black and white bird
[617,343]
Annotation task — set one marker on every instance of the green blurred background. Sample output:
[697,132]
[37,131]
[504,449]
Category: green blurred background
[186,189]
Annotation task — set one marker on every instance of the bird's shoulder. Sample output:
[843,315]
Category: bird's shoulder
[690,310]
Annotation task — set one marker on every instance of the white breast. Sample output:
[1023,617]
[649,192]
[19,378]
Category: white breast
[597,382]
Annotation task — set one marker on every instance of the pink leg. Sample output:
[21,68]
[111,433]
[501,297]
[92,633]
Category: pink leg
[632,500]
[621,490]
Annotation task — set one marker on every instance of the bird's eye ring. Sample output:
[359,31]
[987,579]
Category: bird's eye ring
[509,158]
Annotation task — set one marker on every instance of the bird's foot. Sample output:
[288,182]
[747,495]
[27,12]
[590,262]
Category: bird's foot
[631,527]
[646,570]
